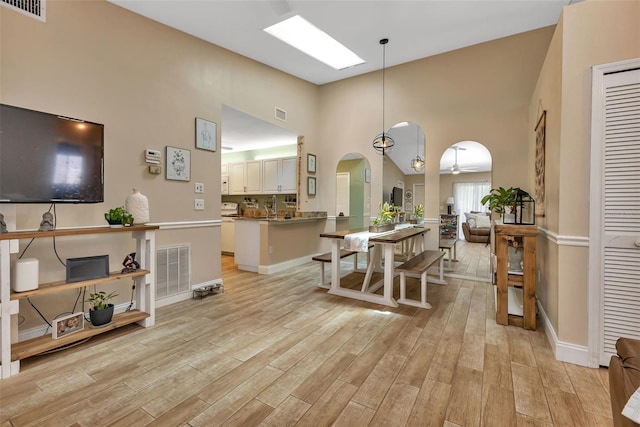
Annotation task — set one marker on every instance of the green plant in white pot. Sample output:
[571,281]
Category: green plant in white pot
[101,311]
[500,200]
[418,212]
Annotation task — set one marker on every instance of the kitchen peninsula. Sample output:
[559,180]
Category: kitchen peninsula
[268,245]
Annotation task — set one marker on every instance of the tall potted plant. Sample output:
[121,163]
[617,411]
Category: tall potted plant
[101,311]
[500,200]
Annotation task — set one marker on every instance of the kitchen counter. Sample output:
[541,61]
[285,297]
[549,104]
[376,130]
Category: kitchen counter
[281,219]
[267,245]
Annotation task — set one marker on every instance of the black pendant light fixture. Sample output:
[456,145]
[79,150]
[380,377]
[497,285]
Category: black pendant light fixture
[417,164]
[383,141]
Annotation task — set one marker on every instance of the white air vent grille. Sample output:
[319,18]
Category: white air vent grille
[173,270]
[281,114]
[34,8]
[621,296]
[622,159]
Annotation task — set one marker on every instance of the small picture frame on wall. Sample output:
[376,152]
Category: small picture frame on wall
[178,165]
[206,134]
[67,325]
[311,163]
[367,175]
[311,186]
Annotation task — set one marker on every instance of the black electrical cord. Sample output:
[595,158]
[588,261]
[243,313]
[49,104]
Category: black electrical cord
[55,218]
[133,288]
[38,311]
[26,247]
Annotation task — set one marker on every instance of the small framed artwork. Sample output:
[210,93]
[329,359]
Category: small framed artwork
[311,186]
[367,175]
[540,131]
[206,134]
[178,164]
[67,325]
[311,163]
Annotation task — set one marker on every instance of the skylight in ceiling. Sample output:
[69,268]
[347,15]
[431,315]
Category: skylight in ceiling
[299,33]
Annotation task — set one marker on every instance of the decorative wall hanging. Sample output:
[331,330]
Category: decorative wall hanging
[206,134]
[178,164]
[540,131]
[311,186]
[311,163]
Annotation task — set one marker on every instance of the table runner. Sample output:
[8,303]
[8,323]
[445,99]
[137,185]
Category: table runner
[360,241]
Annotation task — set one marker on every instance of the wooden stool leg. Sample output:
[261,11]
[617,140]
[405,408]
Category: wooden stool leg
[423,287]
[355,261]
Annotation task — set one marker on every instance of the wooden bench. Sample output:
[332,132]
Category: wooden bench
[326,258]
[419,265]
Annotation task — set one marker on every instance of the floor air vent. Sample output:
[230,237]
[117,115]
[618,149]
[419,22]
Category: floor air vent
[33,8]
[173,271]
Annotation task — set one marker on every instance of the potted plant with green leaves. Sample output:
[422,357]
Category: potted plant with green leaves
[101,311]
[383,221]
[500,200]
[418,213]
[118,217]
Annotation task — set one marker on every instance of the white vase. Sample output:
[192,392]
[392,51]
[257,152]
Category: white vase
[137,204]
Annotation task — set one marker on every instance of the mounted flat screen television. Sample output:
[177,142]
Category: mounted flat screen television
[396,196]
[46,158]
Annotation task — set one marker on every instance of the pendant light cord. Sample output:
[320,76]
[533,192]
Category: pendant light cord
[383,42]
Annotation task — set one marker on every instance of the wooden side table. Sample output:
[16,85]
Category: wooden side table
[526,280]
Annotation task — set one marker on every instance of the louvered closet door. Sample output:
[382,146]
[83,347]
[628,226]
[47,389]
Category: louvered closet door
[621,212]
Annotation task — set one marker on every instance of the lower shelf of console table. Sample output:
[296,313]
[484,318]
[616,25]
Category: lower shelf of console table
[24,349]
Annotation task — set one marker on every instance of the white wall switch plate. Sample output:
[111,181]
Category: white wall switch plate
[199,205]
[199,187]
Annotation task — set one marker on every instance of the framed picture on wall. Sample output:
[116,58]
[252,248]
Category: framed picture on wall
[540,131]
[178,165]
[206,134]
[311,186]
[311,163]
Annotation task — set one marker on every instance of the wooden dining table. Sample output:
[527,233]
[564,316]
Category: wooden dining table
[383,243]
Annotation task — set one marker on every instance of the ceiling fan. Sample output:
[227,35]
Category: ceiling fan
[455,169]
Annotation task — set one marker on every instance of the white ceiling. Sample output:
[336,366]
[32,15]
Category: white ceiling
[415,29]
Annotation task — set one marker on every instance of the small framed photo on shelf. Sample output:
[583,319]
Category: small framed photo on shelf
[67,325]
[311,163]
[206,134]
[178,164]
[311,186]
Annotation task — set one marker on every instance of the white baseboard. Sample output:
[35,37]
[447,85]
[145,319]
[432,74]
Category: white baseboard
[276,268]
[563,351]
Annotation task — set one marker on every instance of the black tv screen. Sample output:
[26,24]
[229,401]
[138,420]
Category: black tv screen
[46,158]
[396,196]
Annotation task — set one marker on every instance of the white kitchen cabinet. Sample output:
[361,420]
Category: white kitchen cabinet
[279,175]
[245,177]
[228,236]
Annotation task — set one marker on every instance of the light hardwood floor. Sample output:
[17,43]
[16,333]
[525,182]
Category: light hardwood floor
[277,351]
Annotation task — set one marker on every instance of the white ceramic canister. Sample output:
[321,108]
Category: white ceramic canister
[137,204]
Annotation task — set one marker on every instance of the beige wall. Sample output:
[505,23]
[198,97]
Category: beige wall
[479,93]
[146,83]
[589,33]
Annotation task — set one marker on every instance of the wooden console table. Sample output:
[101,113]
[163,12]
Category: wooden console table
[526,280]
